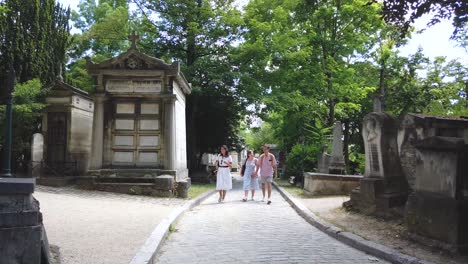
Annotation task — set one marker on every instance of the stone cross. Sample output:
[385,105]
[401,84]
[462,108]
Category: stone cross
[134,38]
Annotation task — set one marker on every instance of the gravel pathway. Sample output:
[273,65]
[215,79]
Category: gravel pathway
[252,232]
[99,228]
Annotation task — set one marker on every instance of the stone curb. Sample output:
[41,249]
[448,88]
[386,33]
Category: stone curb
[348,238]
[147,253]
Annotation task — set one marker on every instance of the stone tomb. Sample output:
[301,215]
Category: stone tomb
[417,127]
[66,126]
[438,206]
[337,163]
[384,185]
[37,154]
[139,118]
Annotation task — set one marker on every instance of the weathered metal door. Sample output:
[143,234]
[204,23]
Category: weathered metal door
[56,138]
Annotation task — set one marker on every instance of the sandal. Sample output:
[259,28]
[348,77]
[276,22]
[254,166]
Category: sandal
[244,200]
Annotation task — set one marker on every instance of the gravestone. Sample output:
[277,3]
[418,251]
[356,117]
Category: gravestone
[337,163]
[383,186]
[37,154]
[323,160]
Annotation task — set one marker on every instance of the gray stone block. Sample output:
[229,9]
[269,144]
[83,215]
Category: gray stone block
[17,185]
[164,182]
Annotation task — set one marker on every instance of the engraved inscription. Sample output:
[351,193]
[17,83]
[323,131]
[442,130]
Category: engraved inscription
[129,86]
[374,158]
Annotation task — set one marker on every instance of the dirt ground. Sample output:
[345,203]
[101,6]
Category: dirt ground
[391,233]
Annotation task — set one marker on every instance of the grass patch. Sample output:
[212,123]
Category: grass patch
[172,228]
[197,189]
[294,190]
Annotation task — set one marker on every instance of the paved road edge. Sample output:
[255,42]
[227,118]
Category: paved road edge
[348,238]
[147,253]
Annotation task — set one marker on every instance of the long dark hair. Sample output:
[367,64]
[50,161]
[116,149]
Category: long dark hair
[248,152]
[227,151]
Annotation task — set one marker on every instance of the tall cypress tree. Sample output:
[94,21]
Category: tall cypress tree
[33,38]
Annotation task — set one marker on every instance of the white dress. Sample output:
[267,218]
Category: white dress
[223,177]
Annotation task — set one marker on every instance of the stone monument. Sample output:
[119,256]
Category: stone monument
[323,161]
[436,150]
[384,185]
[138,130]
[67,126]
[37,154]
[417,127]
[337,163]
[22,236]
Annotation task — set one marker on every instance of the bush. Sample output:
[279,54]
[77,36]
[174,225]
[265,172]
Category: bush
[302,157]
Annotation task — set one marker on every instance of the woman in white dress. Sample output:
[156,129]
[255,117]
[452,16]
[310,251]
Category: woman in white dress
[250,178]
[223,164]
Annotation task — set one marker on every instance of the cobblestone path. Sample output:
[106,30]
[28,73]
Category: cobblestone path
[252,232]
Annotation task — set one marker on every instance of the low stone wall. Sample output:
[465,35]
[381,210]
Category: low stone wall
[329,184]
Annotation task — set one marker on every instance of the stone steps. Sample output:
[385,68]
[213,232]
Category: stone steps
[134,188]
[149,180]
[133,172]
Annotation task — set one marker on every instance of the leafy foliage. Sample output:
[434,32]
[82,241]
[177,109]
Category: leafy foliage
[27,116]
[34,37]
[403,13]
[201,35]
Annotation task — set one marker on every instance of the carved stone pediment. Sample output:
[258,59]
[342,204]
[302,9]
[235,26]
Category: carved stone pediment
[132,60]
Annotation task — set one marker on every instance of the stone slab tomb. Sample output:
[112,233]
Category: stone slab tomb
[384,186]
[329,184]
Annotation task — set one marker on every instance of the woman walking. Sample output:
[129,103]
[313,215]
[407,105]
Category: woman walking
[250,178]
[223,177]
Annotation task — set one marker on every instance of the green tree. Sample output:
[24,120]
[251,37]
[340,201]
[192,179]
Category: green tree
[201,34]
[34,37]
[27,113]
[300,56]
[403,13]
[104,29]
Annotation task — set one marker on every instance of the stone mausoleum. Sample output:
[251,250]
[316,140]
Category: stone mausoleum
[128,133]
[139,115]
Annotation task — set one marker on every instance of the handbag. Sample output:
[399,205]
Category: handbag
[243,168]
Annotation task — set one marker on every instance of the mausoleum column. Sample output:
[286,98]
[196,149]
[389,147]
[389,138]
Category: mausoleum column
[170,134]
[98,132]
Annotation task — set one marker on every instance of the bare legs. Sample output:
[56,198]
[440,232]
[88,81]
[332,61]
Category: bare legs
[222,195]
[263,190]
[269,190]
[253,194]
